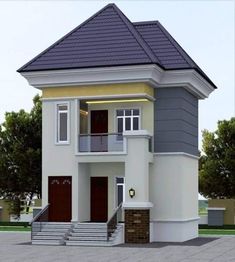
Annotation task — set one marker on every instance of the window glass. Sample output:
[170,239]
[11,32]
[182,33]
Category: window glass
[136,112]
[120,112]
[135,123]
[120,125]
[128,119]
[127,124]
[63,107]
[62,123]
[63,126]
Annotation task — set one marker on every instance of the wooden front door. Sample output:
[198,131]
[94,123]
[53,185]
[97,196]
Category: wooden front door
[99,126]
[59,198]
[99,199]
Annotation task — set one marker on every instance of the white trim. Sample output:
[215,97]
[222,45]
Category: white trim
[138,205]
[150,74]
[77,124]
[176,220]
[216,208]
[136,133]
[57,142]
[101,153]
[176,154]
[139,95]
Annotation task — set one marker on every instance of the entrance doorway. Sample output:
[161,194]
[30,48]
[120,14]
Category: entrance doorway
[99,199]
[59,198]
[99,130]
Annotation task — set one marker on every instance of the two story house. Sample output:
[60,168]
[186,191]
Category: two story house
[119,133]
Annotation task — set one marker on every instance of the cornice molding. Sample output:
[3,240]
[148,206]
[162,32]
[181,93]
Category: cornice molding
[150,74]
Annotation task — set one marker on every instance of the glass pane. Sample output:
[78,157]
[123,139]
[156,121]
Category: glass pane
[63,127]
[63,107]
[127,124]
[136,112]
[120,194]
[127,112]
[135,123]
[120,180]
[119,112]
[120,125]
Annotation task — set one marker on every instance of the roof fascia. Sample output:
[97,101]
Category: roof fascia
[150,74]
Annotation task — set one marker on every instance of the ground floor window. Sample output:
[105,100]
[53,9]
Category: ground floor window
[120,190]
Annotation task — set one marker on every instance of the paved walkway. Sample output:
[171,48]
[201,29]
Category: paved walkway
[15,247]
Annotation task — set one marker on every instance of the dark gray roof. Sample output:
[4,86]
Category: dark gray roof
[108,38]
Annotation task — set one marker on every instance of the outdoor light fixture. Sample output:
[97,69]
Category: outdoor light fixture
[117,101]
[131,192]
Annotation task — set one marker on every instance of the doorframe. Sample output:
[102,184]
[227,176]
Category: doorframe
[116,191]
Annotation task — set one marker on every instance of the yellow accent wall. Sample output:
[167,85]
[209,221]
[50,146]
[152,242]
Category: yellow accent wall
[146,113]
[97,90]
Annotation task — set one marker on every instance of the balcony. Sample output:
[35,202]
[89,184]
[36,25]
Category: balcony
[100,142]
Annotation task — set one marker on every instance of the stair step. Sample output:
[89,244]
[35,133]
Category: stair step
[48,237]
[89,243]
[90,225]
[88,231]
[86,238]
[45,233]
[89,234]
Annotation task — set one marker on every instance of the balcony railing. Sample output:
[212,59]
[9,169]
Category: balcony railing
[108,142]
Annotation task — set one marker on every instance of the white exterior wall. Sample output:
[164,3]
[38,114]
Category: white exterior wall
[57,159]
[174,192]
[110,170]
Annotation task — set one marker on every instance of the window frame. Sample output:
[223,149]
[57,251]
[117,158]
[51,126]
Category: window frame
[57,122]
[124,117]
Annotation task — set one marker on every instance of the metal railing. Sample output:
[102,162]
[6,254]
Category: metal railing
[36,223]
[113,221]
[100,142]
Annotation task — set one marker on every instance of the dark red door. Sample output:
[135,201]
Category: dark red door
[99,127]
[99,199]
[59,199]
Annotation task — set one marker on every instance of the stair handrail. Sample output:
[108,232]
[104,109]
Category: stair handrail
[111,219]
[39,214]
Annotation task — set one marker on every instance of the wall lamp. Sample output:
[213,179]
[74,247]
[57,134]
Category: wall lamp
[131,192]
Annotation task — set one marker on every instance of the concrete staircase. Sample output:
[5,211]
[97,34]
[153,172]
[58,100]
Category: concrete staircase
[93,234]
[51,233]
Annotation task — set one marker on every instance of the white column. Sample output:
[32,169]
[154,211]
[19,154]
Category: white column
[137,169]
[75,196]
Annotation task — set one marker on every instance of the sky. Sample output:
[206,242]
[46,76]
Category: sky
[205,29]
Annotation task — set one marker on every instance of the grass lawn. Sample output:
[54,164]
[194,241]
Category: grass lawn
[216,231]
[15,228]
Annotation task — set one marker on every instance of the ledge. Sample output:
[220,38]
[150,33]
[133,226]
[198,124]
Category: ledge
[137,134]
[137,205]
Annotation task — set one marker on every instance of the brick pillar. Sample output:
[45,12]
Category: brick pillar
[137,226]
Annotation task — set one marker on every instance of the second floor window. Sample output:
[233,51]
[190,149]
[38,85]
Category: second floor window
[62,123]
[128,119]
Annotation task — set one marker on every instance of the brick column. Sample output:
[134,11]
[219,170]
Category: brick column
[137,226]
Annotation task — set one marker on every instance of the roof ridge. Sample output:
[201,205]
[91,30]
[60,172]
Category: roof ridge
[145,22]
[137,36]
[65,36]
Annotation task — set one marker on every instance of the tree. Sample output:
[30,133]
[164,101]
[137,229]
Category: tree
[217,166]
[20,155]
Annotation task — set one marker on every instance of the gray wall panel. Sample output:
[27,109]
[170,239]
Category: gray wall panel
[175,121]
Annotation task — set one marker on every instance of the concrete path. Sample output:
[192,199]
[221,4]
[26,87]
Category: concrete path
[16,247]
